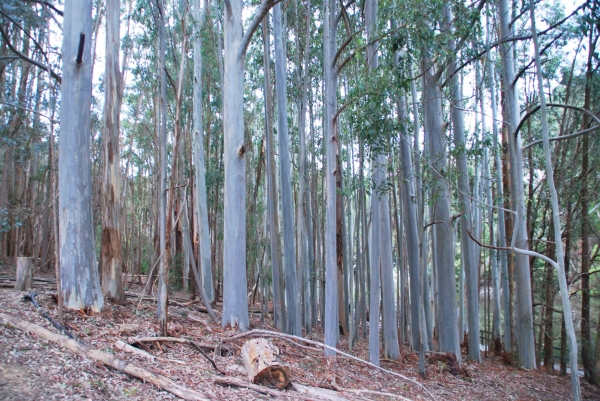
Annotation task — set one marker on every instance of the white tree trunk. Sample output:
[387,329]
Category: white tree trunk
[560,254]
[80,284]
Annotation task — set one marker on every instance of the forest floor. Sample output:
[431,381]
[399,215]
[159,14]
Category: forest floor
[32,368]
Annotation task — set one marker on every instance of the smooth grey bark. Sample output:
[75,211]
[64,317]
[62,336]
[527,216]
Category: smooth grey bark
[524,318]
[163,266]
[410,210]
[80,284]
[199,162]
[443,229]
[272,198]
[377,166]
[560,254]
[391,348]
[466,245]
[331,280]
[111,246]
[501,231]
[487,183]
[235,305]
[304,236]
[287,213]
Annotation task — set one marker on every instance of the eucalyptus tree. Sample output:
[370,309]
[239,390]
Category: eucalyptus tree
[330,329]
[111,246]
[501,231]
[304,215]
[381,266]
[199,164]
[525,339]
[410,210]
[466,245]
[442,219]
[559,265]
[279,318]
[163,264]
[80,284]
[289,251]
[235,305]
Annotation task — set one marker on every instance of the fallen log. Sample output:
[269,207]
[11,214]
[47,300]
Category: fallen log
[123,346]
[295,339]
[236,382]
[197,345]
[116,363]
[262,364]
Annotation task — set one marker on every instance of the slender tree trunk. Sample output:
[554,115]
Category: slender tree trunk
[80,284]
[410,210]
[442,218]
[272,199]
[287,214]
[111,248]
[199,163]
[163,266]
[331,285]
[564,289]
[525,339]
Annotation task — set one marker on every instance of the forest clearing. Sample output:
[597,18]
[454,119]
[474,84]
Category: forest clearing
[301,199]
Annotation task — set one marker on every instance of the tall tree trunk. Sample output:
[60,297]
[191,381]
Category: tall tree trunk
[525,339]
[410,211]
[587,351]
[163,266]
[466,245]
[287,213]
[199,163]
[331,135]
[80,284]
[564,288]
[111,248]
[443,230]
[500,204]
[235,306]
[279,317]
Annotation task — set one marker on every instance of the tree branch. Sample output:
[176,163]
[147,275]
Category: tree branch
[263,9]
[564,106]
[47,4]
[25,58]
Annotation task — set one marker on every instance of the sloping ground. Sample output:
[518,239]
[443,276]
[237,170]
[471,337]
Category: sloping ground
[35,369]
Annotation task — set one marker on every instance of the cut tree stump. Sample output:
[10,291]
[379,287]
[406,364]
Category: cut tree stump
[260,359]
[24,274]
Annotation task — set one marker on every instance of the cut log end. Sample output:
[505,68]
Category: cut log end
[278,376]
[262,364]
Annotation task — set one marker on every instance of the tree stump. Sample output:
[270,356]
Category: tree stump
[24,274]
[260,358]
